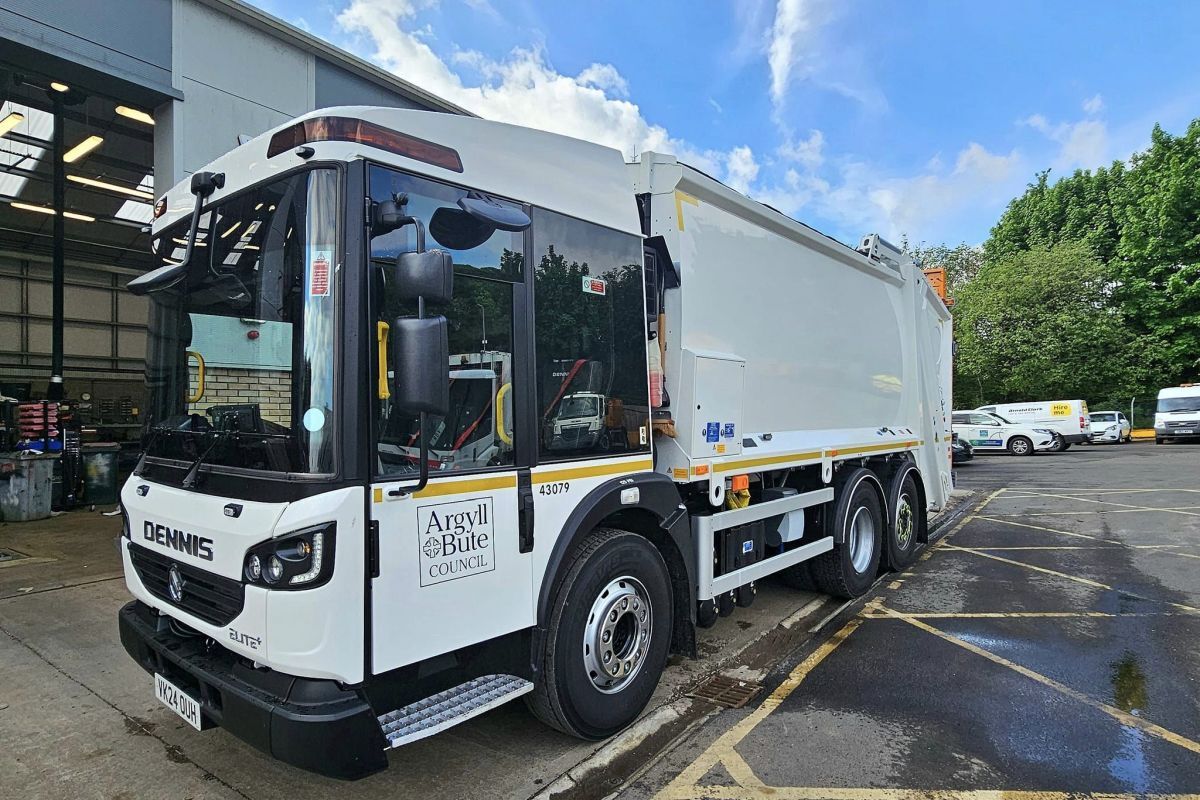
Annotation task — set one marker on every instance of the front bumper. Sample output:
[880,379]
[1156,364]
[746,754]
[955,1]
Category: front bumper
[1173,433]
[312,724]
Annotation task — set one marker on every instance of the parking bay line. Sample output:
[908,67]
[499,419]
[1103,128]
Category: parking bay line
[1124,717]
[875,614]
[1120,505]
[1169,549]
[685,784]
[717,792]
[1102,511]
[1076,578]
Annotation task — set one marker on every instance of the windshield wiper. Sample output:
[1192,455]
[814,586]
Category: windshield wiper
[189,480]
[141,465]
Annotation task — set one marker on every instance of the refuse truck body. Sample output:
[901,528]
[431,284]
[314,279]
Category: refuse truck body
[444,412]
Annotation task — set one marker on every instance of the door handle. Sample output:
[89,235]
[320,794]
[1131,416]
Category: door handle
[525,518]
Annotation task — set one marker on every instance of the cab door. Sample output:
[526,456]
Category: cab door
[453,565]
[986,433]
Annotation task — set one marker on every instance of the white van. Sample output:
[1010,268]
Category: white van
[991,432]
[1067,418]
[1178,413]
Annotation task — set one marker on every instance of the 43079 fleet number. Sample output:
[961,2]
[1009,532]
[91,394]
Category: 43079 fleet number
[561,487]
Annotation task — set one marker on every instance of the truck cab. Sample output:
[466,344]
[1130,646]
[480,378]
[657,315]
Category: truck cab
[1177,416]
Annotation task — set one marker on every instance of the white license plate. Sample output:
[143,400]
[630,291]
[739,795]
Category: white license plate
[1183,430]
[177,700]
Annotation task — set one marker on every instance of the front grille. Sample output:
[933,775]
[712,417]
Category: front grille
[209,597]
[1192,424]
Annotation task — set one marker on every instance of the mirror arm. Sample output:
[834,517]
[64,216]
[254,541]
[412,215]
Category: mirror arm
[423,470]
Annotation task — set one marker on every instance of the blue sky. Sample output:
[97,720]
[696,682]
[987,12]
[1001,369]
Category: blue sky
[911,118]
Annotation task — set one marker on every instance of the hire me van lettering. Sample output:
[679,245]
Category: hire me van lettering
[455,540]
[190,543]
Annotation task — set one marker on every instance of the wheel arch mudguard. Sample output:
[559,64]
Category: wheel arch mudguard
[660,516]
[845,483]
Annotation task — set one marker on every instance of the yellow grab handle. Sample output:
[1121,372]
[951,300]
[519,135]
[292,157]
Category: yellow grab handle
[199,395]
[501,428]
[381,340]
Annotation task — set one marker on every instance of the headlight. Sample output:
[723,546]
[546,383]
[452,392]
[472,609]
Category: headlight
[1110,429]
[1158,424]
[299,560]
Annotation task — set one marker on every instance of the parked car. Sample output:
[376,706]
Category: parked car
[992,432]
[960,450]
[1110,426]
[1178,413]
[1067,418]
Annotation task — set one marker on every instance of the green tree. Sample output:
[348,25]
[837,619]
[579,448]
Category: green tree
[961,262]
[1042,324]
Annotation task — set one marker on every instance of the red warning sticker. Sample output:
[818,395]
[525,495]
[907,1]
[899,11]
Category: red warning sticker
[318,274]
[594,285]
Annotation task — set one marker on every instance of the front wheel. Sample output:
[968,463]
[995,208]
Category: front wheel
[1020,446]
[607,641]
[849,569]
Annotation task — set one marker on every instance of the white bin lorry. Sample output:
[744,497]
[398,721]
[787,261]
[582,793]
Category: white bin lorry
[342,538]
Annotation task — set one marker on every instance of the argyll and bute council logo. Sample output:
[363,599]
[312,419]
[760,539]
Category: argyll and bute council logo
[456,540]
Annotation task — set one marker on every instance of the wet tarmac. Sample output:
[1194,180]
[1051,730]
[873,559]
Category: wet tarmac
[1048,647]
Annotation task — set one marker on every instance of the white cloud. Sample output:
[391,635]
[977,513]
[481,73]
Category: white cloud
[1083,144]
[786,47]
[522,88]
[1094,104]
[808,152]
[741,169]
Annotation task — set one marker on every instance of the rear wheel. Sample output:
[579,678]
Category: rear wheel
[608,637]
[1159,440]
[1058,446]
[1020,446]
[849,569]
[904,520]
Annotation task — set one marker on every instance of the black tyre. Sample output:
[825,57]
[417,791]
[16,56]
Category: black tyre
[1020,446]
[1058,445]
[608,637]
[849,569]
[800,577]
[905,519]
[1159,440]
[1064,447]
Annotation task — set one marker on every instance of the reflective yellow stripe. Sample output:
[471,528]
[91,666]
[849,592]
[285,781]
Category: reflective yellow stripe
[873,448]
[593,471]
[747,463]
[462,487]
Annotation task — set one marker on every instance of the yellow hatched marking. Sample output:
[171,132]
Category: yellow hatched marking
[680,199]
[443,488]
[1124,717]
[990,518]
[1075,578]
[1120,505]
[593,471]
[844,793]
[1017,614]
[684,785]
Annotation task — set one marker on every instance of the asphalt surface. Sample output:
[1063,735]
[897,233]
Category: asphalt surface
[1048,646]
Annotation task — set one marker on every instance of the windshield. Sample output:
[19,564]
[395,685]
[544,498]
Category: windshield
[574,407]
[1104,417]
[1169,404]
[241,358]
[1002,419]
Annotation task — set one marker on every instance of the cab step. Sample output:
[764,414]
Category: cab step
[446,709]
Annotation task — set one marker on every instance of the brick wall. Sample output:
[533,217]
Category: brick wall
[270,389]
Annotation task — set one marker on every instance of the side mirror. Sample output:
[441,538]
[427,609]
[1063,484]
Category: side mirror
[421,365]
[429,275]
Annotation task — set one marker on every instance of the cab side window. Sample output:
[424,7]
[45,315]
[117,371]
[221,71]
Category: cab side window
[478,432]
[982,419]
[593,395]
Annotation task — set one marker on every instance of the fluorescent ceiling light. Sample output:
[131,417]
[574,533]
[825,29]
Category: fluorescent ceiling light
[50,211]
[59,87]
[232,229]
[82,149]
[133,113]
[13,119]
[112,187]
[28,207]
[19,157]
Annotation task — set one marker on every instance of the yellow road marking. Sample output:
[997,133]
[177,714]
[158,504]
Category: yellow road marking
[1083,547]
[623,467]
[1092,491]
[874,614]
[684,784]
[856,793]
[1103,511]
[1124,717]
[987,500]
[1076,578]
[1120,505]
[1050,530]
